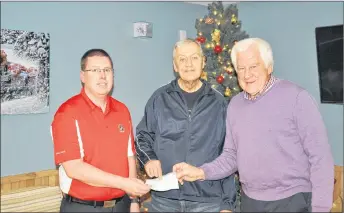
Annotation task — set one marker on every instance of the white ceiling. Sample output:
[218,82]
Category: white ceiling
[205,3]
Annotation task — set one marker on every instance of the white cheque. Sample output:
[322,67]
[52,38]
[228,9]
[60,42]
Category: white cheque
[167,182]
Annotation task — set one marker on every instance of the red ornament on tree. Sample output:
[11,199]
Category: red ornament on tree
[220,79]
[201,39]
[217,49]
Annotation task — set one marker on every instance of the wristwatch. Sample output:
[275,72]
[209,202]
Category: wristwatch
[136,200]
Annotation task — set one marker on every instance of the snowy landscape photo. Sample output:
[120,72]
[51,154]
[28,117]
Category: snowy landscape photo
[24,67]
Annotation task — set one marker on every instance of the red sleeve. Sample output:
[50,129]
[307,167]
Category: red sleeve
[64,133]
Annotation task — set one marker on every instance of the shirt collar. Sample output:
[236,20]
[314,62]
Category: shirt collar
[109,103]
[267,86]
[174,87]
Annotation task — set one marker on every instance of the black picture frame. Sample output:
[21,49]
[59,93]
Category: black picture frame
[329,48]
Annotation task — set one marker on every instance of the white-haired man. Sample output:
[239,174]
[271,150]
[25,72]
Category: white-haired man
[185,121]
[275,138]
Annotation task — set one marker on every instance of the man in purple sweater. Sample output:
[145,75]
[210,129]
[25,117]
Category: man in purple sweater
[275,138]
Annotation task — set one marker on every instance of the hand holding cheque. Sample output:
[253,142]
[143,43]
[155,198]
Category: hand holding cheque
[181,172]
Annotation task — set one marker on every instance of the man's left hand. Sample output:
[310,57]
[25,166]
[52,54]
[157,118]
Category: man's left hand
[134,207]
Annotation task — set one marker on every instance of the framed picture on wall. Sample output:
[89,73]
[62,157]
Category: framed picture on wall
[329,45]
[24,71]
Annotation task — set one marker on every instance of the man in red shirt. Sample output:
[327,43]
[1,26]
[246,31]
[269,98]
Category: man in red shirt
[94,145]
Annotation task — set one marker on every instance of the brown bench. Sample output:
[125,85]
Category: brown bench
[31,192]
[32,199]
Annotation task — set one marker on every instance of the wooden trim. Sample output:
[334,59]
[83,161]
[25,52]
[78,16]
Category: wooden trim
[338,168]
[338,190]
[338,186]
[28,180]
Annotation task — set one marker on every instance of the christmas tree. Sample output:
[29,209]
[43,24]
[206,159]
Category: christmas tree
[217,33]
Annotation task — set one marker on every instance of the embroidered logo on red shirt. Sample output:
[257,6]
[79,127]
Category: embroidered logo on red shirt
[121,128]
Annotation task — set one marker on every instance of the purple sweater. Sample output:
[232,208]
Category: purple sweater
[279,145]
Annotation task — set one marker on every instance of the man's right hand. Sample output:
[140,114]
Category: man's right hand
[153,168]
[188,172]
[135,187]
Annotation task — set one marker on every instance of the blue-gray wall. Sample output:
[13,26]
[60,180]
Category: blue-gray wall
[141,65]
[290,29]
[144,65]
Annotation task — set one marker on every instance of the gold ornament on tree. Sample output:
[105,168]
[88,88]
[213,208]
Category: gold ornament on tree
[215,36]
[228,92]
[234,19]
[229,70]
[204,76]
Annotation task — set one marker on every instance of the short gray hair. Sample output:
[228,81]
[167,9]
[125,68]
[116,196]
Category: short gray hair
[264,49]
[186,41]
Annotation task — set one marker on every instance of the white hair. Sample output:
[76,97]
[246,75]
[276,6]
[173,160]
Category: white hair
[264,49]
[186,41]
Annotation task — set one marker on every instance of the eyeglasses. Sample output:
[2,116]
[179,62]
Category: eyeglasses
[106,70]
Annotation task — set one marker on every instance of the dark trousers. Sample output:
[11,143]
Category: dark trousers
[121,206]
[300,202]
[161,204]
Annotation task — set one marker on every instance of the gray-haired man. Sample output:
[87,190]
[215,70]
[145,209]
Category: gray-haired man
[185,121]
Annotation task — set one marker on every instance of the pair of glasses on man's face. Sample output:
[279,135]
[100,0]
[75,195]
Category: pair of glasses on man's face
[98,70]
